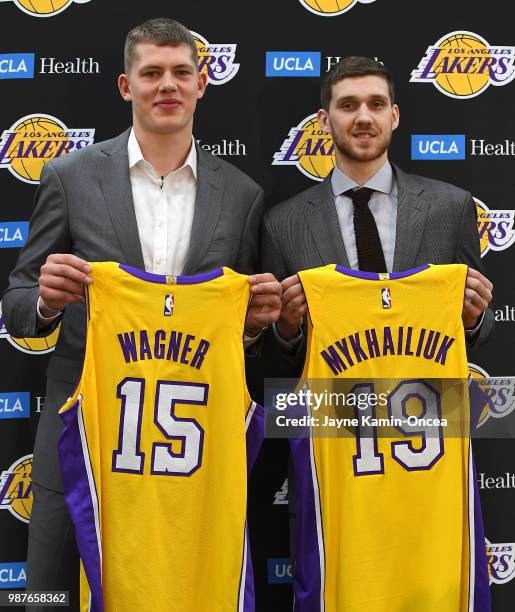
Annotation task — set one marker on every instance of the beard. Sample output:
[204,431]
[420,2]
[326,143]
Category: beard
[353,152]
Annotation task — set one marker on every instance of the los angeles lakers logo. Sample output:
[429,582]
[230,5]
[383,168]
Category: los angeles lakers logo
[495,227]
[309,148]
[44,8]
[33,346]
[216,60]
[36,139]
[501,562]
[331,8]
[463,64]
[16,488]
[500,391]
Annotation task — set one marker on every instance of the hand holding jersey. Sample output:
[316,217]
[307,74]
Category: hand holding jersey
[265,304]
[63,277]
[293,309]
[62,281]
[477,297]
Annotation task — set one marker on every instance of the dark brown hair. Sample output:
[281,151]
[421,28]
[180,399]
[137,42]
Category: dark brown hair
[353,66]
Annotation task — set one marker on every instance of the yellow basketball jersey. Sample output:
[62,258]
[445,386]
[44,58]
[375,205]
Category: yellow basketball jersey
[387,523]
[153,450]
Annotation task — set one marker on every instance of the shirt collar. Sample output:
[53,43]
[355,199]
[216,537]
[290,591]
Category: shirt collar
[136,156]
[383,180]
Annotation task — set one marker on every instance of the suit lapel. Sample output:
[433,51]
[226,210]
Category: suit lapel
[322,220]
[113,170]
[208,204]
[412,207]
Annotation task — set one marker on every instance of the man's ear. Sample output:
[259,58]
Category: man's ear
[124,87]
[323,120]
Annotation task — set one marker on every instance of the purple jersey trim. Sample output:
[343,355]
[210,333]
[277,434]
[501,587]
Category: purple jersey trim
[80,502]
[307,580]
[376,276]
[179,280]
[249,599]
[482,597]
[255,434]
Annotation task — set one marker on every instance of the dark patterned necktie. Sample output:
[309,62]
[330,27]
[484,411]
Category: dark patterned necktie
[368,244]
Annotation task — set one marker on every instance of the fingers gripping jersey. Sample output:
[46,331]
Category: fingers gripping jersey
[388,524]
[153,451]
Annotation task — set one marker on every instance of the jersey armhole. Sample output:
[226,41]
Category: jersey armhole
[455,288]
[237,303]
[310,327]
[105,272]
[89,313]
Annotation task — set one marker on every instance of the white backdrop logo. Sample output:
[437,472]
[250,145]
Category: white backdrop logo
[495,228]
[217,60]
[501,562]
[500,392]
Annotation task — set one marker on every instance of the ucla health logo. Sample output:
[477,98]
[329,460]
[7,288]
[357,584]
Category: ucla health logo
[500,391]
[16,488]
[495,228]
[309,148]
[280,571]
[292,63]
[216,60]
[34,140]
[44,8]
[463,64]
[13,575]
[15,405]
[17,65]
[331,8]
[13,234]
[437,146]
[32,346]
[501,562]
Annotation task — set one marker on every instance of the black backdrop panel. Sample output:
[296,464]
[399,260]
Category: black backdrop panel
[464,114]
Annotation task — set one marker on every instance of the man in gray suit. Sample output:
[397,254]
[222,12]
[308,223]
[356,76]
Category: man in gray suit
[410,220]
[149,198]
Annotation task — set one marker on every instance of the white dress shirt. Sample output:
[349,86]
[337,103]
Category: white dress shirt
[164,209]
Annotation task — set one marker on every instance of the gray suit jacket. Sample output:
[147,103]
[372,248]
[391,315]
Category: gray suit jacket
[84,206]
[436,223]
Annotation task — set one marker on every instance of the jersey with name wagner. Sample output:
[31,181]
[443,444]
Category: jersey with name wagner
[388,523]
[153,452]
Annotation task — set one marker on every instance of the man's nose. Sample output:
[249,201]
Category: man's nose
[167,82]
[363,115]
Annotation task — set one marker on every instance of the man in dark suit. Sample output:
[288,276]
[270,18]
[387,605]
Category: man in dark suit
[407,220]
[149,198]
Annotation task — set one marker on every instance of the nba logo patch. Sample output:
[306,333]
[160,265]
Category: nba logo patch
[386,298]
[169,304]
